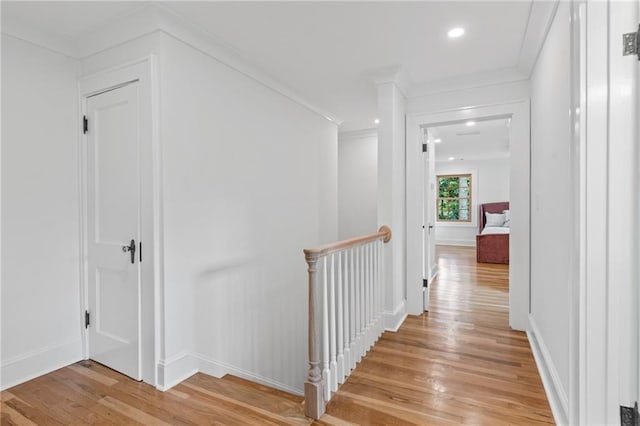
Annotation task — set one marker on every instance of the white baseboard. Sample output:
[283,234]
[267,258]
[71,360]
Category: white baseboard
[184,365]
[549,374]
[464,243]
[175,369]
[39,362]
[434,272]
[219,369]
[393,320]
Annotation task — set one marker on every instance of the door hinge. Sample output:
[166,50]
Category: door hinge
[85,124]
[87,319]
[424,147]
[425,283]
[631,43]
[629,416]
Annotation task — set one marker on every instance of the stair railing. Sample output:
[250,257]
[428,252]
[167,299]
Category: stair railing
[346,301]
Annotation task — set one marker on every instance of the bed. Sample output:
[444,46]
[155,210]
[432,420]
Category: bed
[492,242]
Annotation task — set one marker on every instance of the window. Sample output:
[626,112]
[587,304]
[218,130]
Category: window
[454,198]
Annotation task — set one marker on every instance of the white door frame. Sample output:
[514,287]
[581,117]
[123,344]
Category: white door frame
[604,309]
[144,71]
[519,247]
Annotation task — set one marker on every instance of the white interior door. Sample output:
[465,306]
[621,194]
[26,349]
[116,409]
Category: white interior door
[431,211]
[428,217]
[113,226]
[426,225]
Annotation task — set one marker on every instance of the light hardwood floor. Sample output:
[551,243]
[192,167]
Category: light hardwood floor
[459,363]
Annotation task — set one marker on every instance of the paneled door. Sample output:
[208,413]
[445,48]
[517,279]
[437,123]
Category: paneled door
[113,229]
[428,216]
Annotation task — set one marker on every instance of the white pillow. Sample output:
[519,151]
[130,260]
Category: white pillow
[494,219]
[507,218]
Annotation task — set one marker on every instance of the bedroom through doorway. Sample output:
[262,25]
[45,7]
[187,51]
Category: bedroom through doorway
[467,218]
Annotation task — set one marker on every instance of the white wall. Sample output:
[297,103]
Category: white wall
[40,210]
[391,198]
[250,179]
[357,183]
[490,183]
[550,197]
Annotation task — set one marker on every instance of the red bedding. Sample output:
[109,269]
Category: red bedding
[493,248]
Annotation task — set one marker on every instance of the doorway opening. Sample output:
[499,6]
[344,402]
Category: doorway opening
[466,209]
[516,114]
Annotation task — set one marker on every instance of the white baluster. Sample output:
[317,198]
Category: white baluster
[352,308]
[366,299]
[374,264]
[361,350]
[356,304]
[363,298]
[380,289]
[340,325]
[370,330]
[367,307]
[374,310]
[374,283]
[325,334]
[333,365]
[347,313]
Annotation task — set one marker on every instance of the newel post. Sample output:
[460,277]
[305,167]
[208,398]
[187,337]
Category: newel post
[313,395]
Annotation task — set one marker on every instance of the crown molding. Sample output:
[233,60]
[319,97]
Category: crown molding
[122,29]
[540,19]
[468,81]
[53,42]
[146,20]
[395,74]
[358,134]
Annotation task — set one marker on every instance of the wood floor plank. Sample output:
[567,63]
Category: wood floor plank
[235,379]
[13,417]
[133,413]
[460,363]
[281,418]
[94,375]
[37,415]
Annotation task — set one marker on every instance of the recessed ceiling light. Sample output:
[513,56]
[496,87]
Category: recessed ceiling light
[455,32]
[471,123]
[451,158]
[437,140]
[376,121]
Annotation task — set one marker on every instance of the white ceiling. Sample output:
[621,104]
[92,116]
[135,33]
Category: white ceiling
[485,140]
[66,19]
[327,51]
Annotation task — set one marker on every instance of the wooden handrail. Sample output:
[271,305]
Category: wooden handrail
[383,233]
